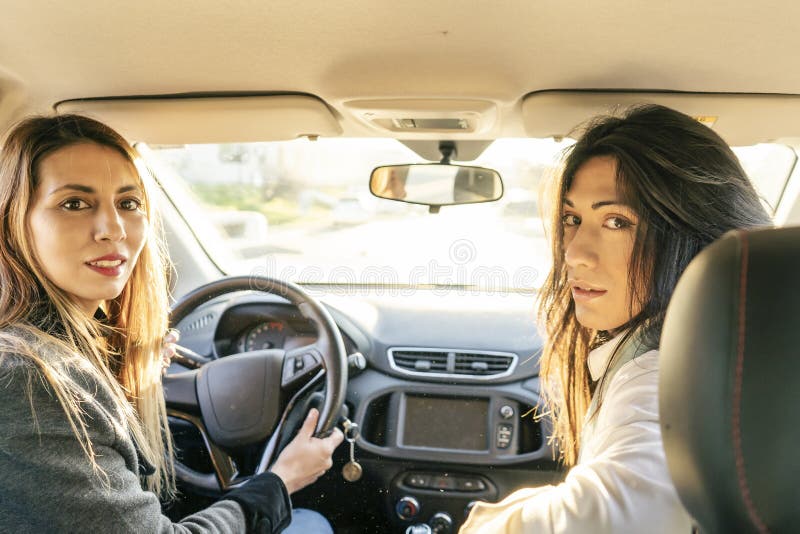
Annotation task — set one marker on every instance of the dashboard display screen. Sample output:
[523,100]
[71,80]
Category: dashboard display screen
[446,423]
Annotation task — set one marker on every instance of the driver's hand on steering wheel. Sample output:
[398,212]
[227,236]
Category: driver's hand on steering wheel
[306,458]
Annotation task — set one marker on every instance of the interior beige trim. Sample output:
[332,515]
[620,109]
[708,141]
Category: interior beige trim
[211,119]
[741,119]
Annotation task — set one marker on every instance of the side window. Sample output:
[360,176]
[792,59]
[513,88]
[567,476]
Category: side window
[769,166]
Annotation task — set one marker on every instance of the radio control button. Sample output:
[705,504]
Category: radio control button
[441,523]
[443,482]
[503,435]
[506,412]
[470,484]
[418,480]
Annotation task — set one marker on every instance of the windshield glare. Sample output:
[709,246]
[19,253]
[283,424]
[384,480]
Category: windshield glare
[301,210]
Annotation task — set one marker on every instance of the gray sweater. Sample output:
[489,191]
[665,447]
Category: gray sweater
[47,483]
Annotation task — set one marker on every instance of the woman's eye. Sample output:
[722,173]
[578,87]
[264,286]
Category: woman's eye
[74,204]
[617,223]
[130,204]
[570,220]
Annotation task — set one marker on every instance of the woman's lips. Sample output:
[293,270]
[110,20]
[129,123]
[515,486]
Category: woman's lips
[586,294]
[110,268]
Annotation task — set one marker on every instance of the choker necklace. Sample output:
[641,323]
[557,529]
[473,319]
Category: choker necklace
[601,337]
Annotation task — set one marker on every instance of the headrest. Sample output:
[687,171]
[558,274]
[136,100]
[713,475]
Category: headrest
[730,383]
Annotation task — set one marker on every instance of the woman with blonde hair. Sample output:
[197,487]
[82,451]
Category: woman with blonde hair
[638,197]
[85,445]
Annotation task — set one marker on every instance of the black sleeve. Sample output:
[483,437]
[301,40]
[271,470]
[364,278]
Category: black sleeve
[266,504]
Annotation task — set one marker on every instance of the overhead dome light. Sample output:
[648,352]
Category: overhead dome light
[426,116]
[431,124]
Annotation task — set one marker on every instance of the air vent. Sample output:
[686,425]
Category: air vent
[421,361]
[200,323]
[472,365]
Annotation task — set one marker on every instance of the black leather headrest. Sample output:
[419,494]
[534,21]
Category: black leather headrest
[729,390]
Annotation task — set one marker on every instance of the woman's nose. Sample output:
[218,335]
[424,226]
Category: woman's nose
[109,226]
[581,249]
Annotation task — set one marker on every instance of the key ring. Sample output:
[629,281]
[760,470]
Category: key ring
[351,431]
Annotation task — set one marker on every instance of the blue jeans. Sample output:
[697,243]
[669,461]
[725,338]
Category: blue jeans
[308,522]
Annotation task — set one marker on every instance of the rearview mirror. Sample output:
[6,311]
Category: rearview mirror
[436,184]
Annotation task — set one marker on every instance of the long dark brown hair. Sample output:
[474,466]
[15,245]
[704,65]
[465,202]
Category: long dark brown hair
[688,188]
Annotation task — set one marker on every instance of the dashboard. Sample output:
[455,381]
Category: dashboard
[245,323]
[269,335]
[446,403]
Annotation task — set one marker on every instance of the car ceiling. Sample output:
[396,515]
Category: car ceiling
[51,51]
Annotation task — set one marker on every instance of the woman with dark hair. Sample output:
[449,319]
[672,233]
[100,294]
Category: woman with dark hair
[85,445]
[638,197]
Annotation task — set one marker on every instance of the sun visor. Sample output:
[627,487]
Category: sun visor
[741,119]
[179,120]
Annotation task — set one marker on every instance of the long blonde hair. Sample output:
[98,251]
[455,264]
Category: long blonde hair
[688,188]
[122,352]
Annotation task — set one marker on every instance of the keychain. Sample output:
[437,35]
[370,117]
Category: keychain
[352,470]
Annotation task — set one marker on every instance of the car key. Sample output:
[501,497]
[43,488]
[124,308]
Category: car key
[352,470]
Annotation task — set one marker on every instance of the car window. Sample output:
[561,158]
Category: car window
[769,166]
[301,210]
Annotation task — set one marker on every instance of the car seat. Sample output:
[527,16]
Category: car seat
[729,390]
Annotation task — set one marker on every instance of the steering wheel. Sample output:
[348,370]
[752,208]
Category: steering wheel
[238,400]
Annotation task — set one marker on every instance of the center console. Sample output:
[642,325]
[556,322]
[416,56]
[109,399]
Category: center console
[461,425]
[448,441]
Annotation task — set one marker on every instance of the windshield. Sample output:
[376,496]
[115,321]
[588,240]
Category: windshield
[301,210]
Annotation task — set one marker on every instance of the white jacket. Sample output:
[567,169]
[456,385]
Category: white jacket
[620,483]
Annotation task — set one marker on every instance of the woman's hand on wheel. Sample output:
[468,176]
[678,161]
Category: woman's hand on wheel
[168,349]
[306,458]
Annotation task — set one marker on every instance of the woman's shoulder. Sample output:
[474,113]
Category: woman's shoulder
[23,338]
[15,342]
[31,361]
[26,397]
[33,394]
[632,392]
[24,345]
[641,369]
